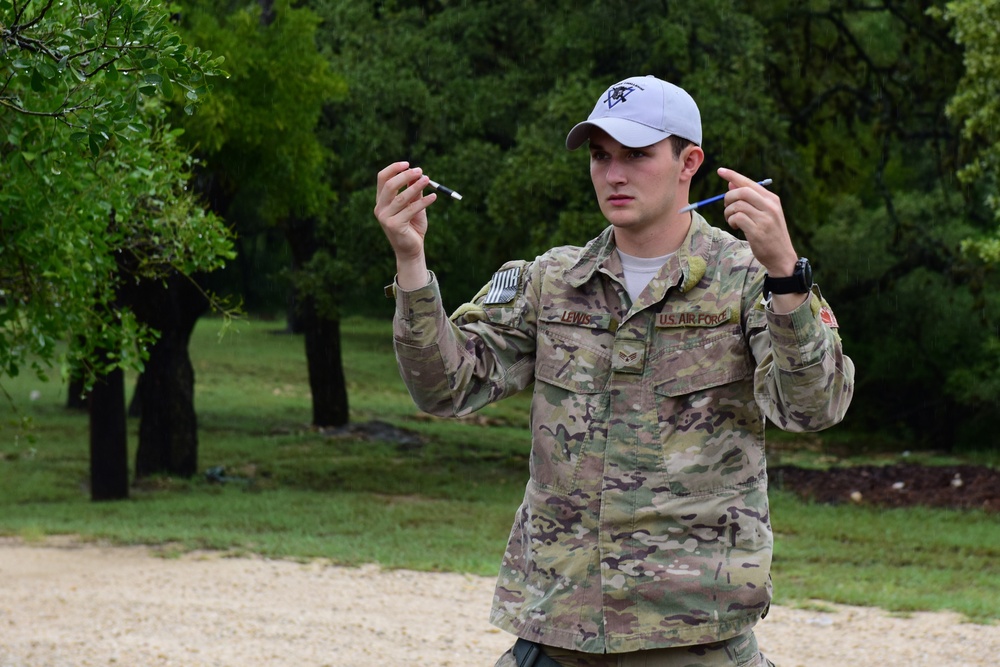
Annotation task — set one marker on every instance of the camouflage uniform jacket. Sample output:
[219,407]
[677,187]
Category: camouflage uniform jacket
[645,520]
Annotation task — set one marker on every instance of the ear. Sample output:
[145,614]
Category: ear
[692,157]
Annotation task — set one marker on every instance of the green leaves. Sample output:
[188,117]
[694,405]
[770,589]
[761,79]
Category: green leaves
[976,104]
[257,132]
[68,55]
[93,183]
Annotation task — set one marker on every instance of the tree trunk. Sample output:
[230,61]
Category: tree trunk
[326,372]
[168,426]
[108,438]
[322,335]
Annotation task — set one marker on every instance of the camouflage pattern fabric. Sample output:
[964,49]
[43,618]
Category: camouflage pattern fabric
[645,520]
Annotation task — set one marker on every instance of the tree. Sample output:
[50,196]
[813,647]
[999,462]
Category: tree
[93,181]
[865,87]
[168,425]
[263,165]
[80,146]
[976,105]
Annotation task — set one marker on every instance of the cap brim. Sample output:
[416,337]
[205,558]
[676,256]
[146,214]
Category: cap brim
[626,132]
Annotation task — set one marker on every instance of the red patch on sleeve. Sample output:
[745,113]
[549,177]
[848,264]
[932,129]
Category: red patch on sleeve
[826,314]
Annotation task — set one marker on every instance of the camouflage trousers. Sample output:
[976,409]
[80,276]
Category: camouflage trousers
[741,651]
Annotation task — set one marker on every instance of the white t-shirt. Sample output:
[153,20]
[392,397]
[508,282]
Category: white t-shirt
[639,271]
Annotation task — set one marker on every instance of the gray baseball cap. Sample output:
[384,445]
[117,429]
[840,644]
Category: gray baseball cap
[640,112]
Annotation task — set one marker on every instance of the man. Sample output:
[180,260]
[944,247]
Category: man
[656,352]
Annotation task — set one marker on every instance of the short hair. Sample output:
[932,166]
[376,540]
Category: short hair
[678,144]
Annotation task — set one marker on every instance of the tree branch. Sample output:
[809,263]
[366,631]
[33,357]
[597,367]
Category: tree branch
[4,102]
[41,15]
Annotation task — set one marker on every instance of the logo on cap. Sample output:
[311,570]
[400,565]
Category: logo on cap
[618,94]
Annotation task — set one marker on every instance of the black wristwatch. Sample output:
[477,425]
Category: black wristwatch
[800,282]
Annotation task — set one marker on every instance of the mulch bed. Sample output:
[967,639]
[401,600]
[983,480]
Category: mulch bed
[896,485]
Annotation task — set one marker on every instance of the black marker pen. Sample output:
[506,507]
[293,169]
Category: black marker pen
[445,191]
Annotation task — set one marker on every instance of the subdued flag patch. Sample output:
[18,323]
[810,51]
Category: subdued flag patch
[503,286]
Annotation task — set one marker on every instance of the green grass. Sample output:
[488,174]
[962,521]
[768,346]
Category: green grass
[442,503]
[908,559]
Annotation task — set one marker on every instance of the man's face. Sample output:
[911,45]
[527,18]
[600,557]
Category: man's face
[637,188]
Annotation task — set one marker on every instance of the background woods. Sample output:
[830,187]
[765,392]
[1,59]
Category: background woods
[873,118]
[127,154]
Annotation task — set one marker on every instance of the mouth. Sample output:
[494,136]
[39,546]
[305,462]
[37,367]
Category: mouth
[619,200]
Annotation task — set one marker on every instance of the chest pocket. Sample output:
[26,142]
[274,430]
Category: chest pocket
[686,360]
[574,351]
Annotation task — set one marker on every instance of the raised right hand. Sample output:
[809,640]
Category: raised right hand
[401,210]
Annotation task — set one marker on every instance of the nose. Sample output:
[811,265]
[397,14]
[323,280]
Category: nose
[616,171]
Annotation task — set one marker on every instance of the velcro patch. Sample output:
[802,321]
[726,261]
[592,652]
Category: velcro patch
[694,318]
[629,355]
[577,318]
[829,319]
[503,286]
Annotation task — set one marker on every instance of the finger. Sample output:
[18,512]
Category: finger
[399,191]
[735,178]
[739,205]
[756,200]
[401,180]
[741,220]
[407,208]
[389,172]
[742,187]
[398,184]
[418,204]
[413,191]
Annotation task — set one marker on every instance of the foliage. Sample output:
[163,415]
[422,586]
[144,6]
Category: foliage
[863,113]
[977,104]
[976,101]
[900,277]
[880,210]
[262,162]
[91,64]
[841,103]
[482,94]
[92,180]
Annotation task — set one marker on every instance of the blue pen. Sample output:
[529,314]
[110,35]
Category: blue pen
[712,200]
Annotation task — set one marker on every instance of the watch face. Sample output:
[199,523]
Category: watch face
[805,268]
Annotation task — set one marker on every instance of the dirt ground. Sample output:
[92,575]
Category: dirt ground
[66,604]
[897,485]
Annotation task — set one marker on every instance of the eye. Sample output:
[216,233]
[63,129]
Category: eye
[636,153]
[598,155]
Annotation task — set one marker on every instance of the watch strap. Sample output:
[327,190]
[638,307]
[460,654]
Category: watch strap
[789,285]
[800,282]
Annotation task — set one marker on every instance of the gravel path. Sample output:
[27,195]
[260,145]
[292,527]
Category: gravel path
[70,605]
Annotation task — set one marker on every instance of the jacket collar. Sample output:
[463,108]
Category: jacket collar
[684,269]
